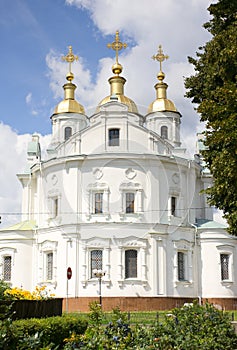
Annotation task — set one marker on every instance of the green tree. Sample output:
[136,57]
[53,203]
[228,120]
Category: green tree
[213,89]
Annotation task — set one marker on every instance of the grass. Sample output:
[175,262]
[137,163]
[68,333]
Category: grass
[144,317]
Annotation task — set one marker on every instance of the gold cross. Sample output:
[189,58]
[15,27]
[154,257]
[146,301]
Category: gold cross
[160,56]
[117,45]
[70,57]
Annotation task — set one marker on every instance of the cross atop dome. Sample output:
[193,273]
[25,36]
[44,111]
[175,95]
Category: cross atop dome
[160,56]
[70,58]
[117,45]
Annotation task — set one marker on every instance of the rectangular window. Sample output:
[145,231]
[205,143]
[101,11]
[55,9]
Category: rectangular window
[131,263]
[130,198]
[55,207]
[114,137]
[173,206]
[96,260]
[225,266]
[99,203]
[49,266]
[7,268]
[181,266]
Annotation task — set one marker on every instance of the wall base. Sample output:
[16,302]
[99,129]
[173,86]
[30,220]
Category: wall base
[142,303]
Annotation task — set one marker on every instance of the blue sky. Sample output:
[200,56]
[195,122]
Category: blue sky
[35,34]
[31,29]
[28,31]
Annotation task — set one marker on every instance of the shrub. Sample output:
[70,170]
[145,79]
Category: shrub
[192,327]
[117,334]
[40,293]
[195,327]
[48,332]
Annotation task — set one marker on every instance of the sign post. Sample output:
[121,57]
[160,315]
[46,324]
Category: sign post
[69,276]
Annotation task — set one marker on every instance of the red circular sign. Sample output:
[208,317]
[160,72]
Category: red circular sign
[69,273]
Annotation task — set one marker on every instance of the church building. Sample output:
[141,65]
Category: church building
[115,212]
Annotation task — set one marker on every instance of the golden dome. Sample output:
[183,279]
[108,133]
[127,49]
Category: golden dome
[69,104]
[161,102]
[116,89]
[117,82]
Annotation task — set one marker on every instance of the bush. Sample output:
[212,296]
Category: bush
[39,333]
[195,327]
[192,327]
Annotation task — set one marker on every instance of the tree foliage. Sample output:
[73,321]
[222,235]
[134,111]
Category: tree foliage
[213,89]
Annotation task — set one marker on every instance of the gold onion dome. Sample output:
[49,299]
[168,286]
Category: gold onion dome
[161,103]
[116,82]
[69,104]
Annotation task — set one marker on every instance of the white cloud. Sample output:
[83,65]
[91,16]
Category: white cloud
[28,98]
[12,162]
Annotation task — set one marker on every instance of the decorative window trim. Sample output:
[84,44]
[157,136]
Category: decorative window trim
[92,189]
[87,247]
[45,248]
[130,187]
[174,207]
[186,248]
[140,246]
[54,209]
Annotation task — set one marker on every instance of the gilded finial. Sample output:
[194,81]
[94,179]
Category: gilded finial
[160,57]
[70,57]
[117,45]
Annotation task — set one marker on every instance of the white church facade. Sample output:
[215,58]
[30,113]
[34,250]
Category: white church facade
[118,194]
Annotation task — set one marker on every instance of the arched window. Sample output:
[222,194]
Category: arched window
[164,132]
[130,263]
[67,133]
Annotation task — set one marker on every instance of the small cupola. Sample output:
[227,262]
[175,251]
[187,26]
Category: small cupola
[117,82]
[161,102]
[162,116]
[69,104]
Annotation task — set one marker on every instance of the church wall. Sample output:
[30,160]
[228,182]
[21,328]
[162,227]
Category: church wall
[213,283]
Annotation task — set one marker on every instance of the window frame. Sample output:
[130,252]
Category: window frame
[98,202]
[164,132]
[128,269]
[173,205]
[4,272]
[137,190]
[67,134]
[92,189]
[181,266]
[49,265]
[95,264]
[130,202]
[225,266]
[114,137]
